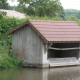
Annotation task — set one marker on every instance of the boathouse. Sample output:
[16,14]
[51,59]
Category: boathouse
[44,43]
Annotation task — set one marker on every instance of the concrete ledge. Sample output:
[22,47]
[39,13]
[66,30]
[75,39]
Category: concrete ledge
[63,64]
[30,65]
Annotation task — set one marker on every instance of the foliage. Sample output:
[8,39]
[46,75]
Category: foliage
[2,13]
[1,47]
[6,24]
[9,62]
[4,4]
[40,7]
[70,12]
[73,18]
[43,18]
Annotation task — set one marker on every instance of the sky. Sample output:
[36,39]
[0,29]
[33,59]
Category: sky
[70,4]
[67,4]
[12,2]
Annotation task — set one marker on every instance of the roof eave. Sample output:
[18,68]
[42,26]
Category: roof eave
[14,29]
[63,41]
[33,27]
[27,23]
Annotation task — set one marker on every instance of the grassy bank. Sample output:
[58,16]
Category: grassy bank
[9,62]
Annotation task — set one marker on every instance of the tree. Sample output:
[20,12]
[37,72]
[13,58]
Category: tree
[40,7]
[4,4]
[74,12]
[2,13]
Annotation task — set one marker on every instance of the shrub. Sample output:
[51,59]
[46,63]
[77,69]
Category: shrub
[9,62]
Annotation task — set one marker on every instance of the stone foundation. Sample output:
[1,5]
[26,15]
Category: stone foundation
[29,65]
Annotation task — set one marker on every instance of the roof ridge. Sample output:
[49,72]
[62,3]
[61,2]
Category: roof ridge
[50,21]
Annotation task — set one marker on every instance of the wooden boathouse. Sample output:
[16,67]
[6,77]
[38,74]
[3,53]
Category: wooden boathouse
[44,43]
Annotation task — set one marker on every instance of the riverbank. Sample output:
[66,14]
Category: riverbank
[9,62]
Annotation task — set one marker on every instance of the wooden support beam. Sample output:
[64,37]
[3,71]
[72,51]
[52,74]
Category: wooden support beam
[49,45]
[1,41]
[5,47]
[64,48]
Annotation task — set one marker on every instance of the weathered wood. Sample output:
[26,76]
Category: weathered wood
[49,45]
[1,41]
[63,61]
[64,48]
[27,45]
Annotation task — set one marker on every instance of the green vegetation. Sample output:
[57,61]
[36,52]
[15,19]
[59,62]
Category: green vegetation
[9,62]
[1,47]
[73,18]
[40,8]
[43,18]
[35,10]
[70,12]
[7,23]
[4,4]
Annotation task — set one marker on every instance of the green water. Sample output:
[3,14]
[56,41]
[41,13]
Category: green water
[66,73]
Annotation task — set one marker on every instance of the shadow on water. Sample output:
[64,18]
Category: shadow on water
[66,73]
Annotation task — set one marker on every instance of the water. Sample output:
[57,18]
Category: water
[64,73]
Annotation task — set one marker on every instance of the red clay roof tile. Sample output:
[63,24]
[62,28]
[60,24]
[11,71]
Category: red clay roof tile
[54,31]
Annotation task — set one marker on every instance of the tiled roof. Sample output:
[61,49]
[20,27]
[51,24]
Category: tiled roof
[55,31]
[13,13]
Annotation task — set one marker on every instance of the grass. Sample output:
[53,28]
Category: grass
[42,18]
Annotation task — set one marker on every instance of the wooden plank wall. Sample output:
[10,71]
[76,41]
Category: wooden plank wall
[27,45]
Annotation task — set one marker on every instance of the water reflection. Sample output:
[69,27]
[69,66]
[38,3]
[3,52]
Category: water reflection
[67,73]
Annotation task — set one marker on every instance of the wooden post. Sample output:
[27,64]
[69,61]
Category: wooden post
[3,44]
[4,47]
[64,48]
